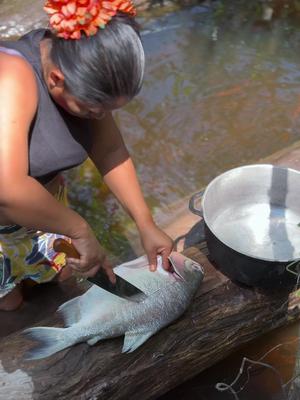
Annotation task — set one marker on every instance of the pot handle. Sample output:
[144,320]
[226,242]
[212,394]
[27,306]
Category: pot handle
[296,264]
[196,197]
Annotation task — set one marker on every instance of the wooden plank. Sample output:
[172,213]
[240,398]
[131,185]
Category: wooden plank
[223,316]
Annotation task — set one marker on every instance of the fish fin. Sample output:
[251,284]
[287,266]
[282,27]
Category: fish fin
[94,340]
[87,305]
[50,341]
[133,340]
[70,311]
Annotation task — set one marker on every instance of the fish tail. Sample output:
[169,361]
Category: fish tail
[49,341]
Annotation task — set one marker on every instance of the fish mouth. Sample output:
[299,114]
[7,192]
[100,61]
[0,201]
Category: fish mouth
[181,264]
[176,271]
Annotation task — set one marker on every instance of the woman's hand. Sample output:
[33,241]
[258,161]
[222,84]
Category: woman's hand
[92,257]
[156,242]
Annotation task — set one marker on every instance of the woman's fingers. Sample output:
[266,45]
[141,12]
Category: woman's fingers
[108,268]
[88,271]
[77,264]
[111,275]
[156,242]
[165,260]
[152,258]
[164,253]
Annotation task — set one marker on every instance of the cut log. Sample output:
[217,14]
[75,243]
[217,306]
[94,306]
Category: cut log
[222,317]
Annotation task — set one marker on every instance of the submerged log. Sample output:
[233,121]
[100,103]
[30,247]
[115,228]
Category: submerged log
[222,317]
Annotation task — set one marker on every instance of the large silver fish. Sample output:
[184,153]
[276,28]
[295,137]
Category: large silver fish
[98,314]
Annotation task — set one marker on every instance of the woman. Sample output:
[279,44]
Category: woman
[58,88]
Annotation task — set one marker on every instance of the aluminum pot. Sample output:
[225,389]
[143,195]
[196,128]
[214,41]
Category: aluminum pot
[252,224]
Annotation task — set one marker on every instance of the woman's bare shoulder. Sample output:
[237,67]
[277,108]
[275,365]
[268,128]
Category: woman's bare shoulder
[18,82]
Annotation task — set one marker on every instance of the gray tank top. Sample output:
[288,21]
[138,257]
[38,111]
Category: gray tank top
[57,140]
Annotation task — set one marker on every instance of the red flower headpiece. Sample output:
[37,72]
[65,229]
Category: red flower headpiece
[69,17]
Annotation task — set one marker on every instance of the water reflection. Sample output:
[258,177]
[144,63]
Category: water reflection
[207,105]
[17,17]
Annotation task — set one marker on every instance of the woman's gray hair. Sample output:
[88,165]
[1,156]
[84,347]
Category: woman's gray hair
[102,68]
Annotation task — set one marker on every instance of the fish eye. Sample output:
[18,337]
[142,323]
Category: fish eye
[188,264]
[192,266]
[198,268]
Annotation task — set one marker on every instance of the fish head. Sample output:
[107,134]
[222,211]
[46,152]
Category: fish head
[188,270]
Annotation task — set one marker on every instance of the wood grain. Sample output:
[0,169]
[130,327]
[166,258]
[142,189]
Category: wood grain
[222,317]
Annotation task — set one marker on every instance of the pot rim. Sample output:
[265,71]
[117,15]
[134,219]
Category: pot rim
[221,176]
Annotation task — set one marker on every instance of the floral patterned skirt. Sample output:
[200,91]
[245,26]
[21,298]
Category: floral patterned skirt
[29,254]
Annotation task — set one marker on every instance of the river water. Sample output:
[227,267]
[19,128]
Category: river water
[222,89]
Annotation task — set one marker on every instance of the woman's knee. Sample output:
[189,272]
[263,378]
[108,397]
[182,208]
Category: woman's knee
[12,300]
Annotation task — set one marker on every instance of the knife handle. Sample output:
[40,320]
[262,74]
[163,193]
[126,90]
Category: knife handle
[62,246]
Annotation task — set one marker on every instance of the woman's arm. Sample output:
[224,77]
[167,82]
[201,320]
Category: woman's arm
[23,200]
[111,157]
